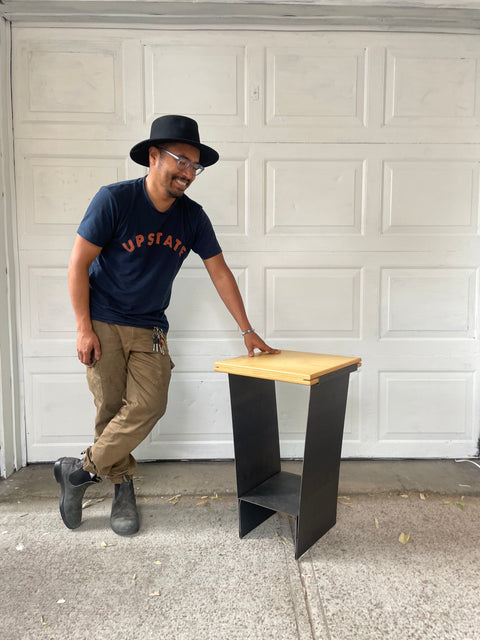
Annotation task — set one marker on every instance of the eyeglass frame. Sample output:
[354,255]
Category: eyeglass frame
[198,168]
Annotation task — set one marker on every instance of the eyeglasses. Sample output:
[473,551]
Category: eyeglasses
[183,163]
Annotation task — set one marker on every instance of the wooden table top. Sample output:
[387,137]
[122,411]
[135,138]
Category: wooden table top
[287,366]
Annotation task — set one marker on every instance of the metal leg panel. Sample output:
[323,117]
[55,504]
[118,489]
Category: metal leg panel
[255,431]
[250,516]
[321,466]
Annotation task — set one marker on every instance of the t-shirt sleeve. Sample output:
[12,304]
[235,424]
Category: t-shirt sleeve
[99,222]
[206,243]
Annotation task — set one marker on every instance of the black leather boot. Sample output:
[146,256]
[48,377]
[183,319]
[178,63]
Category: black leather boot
[72,489]
[124,517]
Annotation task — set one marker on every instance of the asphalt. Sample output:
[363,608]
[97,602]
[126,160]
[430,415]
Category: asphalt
[402,562]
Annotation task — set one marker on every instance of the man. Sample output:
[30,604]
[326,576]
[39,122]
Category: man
[130,245]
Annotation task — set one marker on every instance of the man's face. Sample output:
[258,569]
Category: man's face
[165,172]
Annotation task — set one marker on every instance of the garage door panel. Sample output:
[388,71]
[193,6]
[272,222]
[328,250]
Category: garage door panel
[432,87]
[429,303]
[208,81]
[314,302]
[431,196]
[48,322]
[59,410]
[56,182]
[337,207]
[416,405]
[80,85]
[315,87]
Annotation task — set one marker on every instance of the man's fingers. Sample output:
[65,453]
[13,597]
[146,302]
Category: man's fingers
[97,352]
[253,341]
[89,349]
[85,357]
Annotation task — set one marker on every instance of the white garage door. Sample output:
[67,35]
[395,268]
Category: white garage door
[346,201]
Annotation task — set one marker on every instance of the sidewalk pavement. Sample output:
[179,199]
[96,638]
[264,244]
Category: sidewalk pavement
[402,562]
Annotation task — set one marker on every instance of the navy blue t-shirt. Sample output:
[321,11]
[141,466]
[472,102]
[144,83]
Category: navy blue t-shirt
[142,251]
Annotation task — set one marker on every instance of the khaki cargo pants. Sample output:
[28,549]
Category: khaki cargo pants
[130,388]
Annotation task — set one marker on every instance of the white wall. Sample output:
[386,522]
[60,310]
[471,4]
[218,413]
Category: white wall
[10,428]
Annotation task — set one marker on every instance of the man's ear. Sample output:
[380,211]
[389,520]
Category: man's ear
[153,155]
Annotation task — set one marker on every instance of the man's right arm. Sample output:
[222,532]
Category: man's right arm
[82,256]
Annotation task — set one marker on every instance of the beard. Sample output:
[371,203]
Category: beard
[176,191]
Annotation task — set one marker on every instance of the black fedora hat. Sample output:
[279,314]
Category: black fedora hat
[173,129]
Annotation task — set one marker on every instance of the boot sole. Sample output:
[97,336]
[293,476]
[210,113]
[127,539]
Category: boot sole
[125,533]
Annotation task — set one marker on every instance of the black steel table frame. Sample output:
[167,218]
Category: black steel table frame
[262,487]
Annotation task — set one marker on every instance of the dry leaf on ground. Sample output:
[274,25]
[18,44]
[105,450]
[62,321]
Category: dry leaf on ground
[88,503]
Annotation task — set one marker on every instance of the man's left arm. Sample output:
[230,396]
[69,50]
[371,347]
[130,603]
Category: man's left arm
[228,291]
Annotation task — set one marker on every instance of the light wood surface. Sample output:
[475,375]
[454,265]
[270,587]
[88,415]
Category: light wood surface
[288,366]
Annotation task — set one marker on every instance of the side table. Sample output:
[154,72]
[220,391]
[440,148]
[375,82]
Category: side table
[262,487]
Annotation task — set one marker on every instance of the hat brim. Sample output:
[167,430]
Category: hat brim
[139,153]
